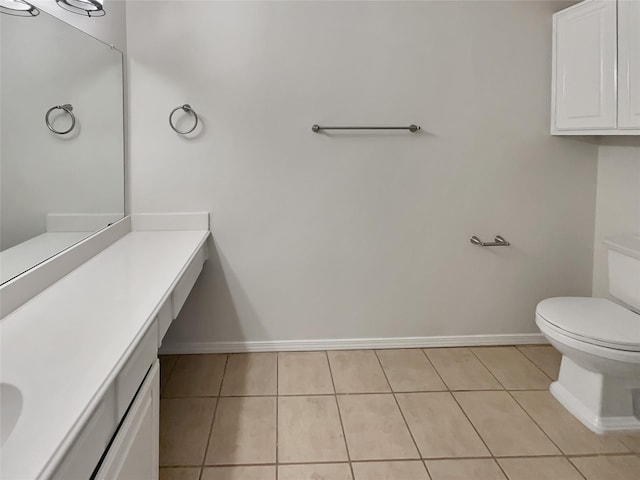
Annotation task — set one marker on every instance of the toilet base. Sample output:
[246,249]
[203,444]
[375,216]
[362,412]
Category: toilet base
[603,403]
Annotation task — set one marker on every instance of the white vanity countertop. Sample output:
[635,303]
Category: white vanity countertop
[63,348]
[17,259]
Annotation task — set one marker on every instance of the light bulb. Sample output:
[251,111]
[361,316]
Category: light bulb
[18,8]
[91,8]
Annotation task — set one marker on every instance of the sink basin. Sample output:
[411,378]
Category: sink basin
[10,408]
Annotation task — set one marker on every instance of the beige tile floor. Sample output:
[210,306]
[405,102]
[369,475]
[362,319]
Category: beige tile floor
[481,413]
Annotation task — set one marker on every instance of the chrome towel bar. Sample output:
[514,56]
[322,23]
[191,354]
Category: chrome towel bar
[498,242]
[412,128]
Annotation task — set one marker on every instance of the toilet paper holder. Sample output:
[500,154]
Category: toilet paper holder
[498,242]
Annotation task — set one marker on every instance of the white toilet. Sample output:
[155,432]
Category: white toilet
[599,340]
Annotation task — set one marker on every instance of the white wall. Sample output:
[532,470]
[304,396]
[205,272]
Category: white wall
[338,236]
[81,172]
[618,200]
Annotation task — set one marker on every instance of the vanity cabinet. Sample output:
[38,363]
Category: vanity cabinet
[133,454]
[85,454]
[119,299]
[596,69]
[127,419]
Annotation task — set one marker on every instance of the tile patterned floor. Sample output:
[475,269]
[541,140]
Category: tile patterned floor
[433,414]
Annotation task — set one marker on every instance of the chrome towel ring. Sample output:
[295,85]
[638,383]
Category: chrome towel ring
[187,109]
[68,109]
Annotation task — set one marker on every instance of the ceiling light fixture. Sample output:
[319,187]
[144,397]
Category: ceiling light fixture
[91,8]
[18,8]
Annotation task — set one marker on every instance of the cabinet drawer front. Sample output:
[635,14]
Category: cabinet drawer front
[584,64]
[188,280]
[85,453]
[133,455]
[134,371]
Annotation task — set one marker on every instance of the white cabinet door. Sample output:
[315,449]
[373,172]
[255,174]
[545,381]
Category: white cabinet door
[629,64]
[585,51]
[134,452]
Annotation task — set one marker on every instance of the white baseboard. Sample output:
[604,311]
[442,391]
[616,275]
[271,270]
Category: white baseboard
[352,344]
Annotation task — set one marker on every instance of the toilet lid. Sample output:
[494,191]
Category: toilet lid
[593,320]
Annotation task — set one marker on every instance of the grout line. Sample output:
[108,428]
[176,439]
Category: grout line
[470,350]
[522,408]
[406,424]
[487,368]
[335,396]
[355,393]
[424,464]
[224,373]
[518,403]
[170,374]
[466,416]
[229,465]
[426,469]
[385,460]
[583,455]
[493,456]
[438,373]
[424,352]
[532,363]
[536,423]
[469,420]
[215,411]
[576,468]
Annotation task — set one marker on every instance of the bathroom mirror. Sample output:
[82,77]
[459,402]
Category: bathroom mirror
[56,188]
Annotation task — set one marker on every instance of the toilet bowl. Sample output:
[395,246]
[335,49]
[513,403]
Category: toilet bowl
[599,381]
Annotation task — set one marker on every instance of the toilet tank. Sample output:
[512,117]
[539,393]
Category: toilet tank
[624,268]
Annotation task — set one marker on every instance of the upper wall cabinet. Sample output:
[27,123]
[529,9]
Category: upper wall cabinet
[629,64]
[596,69]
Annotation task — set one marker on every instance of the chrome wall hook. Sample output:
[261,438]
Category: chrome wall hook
[187,109]
[498,242]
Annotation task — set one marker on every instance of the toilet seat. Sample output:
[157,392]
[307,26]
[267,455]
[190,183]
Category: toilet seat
[592,320]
